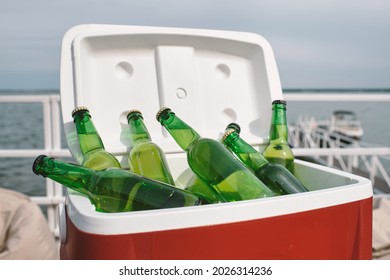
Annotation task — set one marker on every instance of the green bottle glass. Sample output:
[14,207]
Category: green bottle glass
[94,154]
[114,189]
[275,176]
[278,150]
[213,163]
[197,186]
[189,181]
[146,157]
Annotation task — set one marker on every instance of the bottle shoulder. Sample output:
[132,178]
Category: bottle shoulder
[100,159]
[98,152]
[145,146]
[205,143]
[209,141]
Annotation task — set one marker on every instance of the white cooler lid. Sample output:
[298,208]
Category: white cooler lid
[208,77]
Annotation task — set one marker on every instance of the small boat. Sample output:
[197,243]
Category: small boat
[343,126]
[346,123]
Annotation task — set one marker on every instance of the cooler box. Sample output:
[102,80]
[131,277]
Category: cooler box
[209,78]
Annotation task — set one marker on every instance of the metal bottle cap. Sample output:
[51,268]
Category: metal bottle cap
[36,162]
[133,111]
[162,110]
[79,109]
[234,126]
[227,133]
[279,102]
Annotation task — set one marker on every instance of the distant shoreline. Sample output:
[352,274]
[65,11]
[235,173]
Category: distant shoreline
[29,90]
[285,90]
[336,90]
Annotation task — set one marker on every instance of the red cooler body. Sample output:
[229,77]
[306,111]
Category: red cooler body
[209,78]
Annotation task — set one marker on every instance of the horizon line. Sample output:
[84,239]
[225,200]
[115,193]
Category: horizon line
[287,89]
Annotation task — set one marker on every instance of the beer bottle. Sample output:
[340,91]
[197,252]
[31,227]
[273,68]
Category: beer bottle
[94,154]
[114,189]
[197,186]
[278,150]
[213,163]
[275,176]
[146,157]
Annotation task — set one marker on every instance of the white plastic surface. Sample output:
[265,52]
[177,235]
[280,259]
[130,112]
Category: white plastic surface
[209,78]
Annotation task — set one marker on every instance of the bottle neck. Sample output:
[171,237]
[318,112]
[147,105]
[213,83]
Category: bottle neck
[89,138]
[244,151]
[279,123]
[183,134]
[138,131]
[68,174]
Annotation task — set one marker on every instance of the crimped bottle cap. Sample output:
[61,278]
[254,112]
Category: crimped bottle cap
[227,133]
[133,111]
[162,110]
[79,109]
[279,102]
[234,126]
[36,162]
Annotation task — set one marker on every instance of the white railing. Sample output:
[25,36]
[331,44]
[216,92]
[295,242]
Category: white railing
[52,147]
[52,142]
[318,143]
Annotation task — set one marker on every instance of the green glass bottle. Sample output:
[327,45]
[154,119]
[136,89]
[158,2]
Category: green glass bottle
[146,157]
[278,150]
[94,154]
[213,163]
[197,186]
[275,176]
[114,189]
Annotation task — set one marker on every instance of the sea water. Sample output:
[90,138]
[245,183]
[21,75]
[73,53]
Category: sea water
[21,127]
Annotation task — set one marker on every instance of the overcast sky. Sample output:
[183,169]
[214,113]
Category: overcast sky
[317,44]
